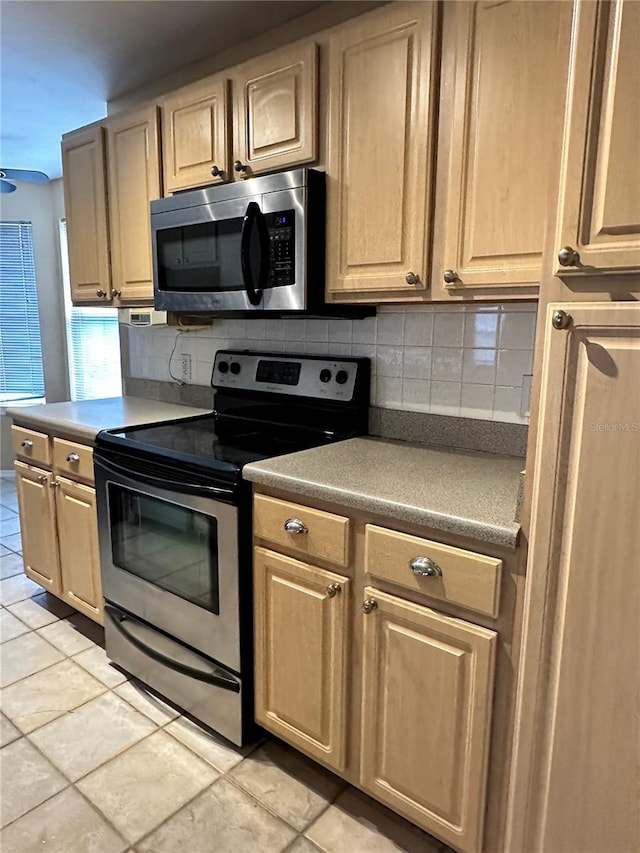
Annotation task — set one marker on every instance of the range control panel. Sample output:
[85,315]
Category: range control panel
[320,377]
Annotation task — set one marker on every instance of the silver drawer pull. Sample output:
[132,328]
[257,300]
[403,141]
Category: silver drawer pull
[42,478]
[26,444]
[73,457]
[295,526]
[425,568]
[333,589]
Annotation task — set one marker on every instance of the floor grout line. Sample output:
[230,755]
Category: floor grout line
[223,774]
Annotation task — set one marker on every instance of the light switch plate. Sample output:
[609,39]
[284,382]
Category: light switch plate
[525,400]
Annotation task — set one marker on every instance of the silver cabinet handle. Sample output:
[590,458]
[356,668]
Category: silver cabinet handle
[101,293]
[239,166]
[425,568]
[26,444]
[54,484]
[116,294]
[217,172]
[450,276]
[42,478]
[333,589]
[568,257]
[295,526]
[561,320]
[412,278]
[73,457]
[369,605]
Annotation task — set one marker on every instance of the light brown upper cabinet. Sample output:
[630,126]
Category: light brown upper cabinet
[195,135]
[382,79]
[85,199]
[276,110]
[599,196]
[134,181]
[501,111]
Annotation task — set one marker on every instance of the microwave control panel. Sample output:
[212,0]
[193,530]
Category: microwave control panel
[281,228]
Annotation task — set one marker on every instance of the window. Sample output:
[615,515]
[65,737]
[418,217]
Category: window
[93,342]
[21,376]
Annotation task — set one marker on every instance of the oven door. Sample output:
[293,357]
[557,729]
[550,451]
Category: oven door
[169,554]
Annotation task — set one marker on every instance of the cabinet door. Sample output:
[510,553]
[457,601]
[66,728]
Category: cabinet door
[500,123]
[380,152]
[426,714]
[600,172]
[575,779]
[276,110]
[195,135]
[301,644]
[134,181]
[38,526]
[78,538]
[85,200]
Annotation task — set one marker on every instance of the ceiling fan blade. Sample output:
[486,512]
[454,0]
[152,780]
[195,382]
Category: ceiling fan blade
[24,175]
[6,187]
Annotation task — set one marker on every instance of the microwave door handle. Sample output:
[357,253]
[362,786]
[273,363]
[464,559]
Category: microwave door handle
[254,218]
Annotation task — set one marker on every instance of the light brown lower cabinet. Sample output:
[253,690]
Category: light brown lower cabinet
[426,715]
[423,680]
[301,644]
[78,547]
[59,530]
[575,783]
[38,525]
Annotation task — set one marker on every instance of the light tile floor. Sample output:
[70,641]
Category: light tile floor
[91,763]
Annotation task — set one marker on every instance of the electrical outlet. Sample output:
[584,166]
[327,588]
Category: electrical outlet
[185,361]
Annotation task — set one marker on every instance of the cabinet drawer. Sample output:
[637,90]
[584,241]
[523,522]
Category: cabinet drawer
[73,460]
[311,532]
[30,445]
[460,577]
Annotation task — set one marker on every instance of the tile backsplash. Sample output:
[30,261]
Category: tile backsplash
[469,361]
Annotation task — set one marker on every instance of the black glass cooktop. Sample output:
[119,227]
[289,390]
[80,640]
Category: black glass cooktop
[196,443]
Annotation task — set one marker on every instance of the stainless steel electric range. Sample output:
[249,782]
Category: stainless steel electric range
[174,522]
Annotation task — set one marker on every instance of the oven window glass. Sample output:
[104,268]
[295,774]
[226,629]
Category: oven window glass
[200,258]
[170,546]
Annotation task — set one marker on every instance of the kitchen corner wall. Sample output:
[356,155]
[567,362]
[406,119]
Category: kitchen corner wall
[467,361]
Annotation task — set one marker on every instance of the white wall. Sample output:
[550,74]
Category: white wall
[43,206]
[469,361]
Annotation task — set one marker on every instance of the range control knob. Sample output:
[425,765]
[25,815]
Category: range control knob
[223,366]
[325,375]
[235,368]
[341,377]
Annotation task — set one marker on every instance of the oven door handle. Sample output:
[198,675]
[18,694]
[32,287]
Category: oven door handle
[254,218]
[215,676]
[173,485]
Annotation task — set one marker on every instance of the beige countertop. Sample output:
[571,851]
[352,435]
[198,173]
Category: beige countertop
[462,492]
[84,419]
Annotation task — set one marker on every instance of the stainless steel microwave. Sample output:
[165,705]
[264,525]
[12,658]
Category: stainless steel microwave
[251,246]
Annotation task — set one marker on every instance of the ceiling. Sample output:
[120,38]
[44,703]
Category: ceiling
[62,60]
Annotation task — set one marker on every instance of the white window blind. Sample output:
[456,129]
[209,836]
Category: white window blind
[93,343]
[21,376]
